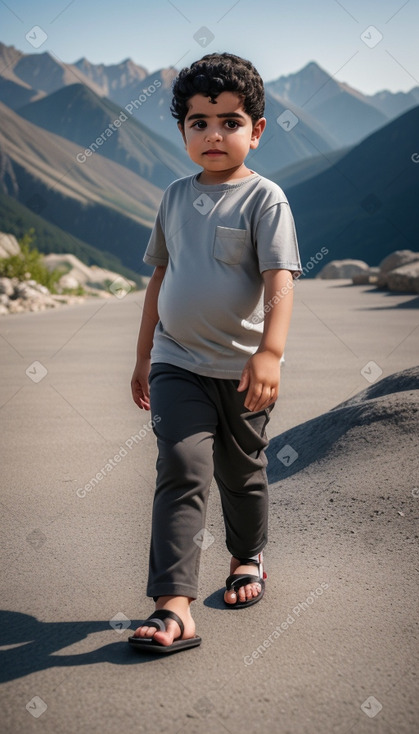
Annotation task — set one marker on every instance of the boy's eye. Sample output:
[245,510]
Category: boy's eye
[232,124]
[200,124]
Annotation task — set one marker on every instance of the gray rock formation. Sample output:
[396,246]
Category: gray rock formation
[342,269]
[384,414]
[393,261]
[366,277]
[405,278]
[8,245]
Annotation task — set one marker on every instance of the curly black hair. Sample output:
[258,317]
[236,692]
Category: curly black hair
[216,73]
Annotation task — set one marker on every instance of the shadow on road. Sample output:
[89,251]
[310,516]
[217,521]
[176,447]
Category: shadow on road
[36,642]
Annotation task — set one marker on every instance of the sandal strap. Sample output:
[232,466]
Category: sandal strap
[155,619]
[258,563]
[236,580]
[247,561]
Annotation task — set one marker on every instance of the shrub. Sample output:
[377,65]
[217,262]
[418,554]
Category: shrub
[29,264]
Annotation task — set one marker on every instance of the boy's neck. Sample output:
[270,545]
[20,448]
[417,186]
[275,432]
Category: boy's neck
[208,178]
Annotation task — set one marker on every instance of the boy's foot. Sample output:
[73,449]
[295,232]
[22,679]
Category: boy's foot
[245,593]
[181,606]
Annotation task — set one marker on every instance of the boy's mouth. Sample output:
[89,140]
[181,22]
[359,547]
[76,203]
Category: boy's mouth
[214,152]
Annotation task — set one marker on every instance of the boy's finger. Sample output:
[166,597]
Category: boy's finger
[253,396]
[244,381]
[261,399]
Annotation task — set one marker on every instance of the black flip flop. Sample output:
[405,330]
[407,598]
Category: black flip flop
[149,644]
[236,580]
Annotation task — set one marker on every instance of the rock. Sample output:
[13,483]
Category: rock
[68,281]
[405,278]
[395,260]
[25,291]
[366,277]
[379,418]
[16,306]
[8,245]
[6,286]
[92,279]
[29,295]
[342,269]
[38,287]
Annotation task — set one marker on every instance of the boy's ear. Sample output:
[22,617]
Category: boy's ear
[182,131]
[257,131]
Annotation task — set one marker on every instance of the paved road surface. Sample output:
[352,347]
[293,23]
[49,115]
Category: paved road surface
[75,555]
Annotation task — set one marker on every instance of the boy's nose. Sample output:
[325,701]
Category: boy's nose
[213,135]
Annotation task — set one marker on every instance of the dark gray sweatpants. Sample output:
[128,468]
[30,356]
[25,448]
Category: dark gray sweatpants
[204,431]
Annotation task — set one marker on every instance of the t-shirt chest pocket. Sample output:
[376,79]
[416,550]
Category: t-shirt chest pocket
[229,244]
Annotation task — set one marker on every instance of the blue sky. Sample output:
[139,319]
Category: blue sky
[278,37]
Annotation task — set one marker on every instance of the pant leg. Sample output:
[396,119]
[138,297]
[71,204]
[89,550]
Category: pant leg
[240,471]
[185,434]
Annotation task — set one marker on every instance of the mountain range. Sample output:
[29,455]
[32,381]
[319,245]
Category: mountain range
[88,149]
[366,202]
[78,114]
[102,203]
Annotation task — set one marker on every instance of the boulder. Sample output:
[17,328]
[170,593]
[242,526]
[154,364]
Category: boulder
[395,260]
[405,278]
[6,286]
[68,281]
[342,269]
[25,291]
[8,245]
[366,277]
[92,279]
[38,287]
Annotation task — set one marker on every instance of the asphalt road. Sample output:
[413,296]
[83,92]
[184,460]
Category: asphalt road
[75,546]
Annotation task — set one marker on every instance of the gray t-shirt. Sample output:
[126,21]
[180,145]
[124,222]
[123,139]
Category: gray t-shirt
[216,240]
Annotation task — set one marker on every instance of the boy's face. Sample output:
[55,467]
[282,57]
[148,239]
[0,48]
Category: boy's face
[219,136]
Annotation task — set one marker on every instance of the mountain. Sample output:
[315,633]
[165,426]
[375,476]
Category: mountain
[303,170]
[78,114]
[99,201]
[365,205]
[332,113]
[393,104]
[15,94]
[41,72]
[343,112]
[151,106]
[17,219]
[119,82]
[280,146]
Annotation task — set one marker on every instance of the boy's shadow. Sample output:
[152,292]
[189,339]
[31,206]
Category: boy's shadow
[36,642]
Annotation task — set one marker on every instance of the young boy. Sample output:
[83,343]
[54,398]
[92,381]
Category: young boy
[215,321]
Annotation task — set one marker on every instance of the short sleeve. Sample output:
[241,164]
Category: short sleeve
[276,240]
[156,252]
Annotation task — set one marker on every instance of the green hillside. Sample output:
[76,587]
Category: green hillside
[17,219]
[101,202]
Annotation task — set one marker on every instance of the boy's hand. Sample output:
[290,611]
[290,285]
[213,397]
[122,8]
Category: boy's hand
[139,384]
[260,377]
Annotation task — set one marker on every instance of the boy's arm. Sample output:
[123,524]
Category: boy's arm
[260,376]
[149,319]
